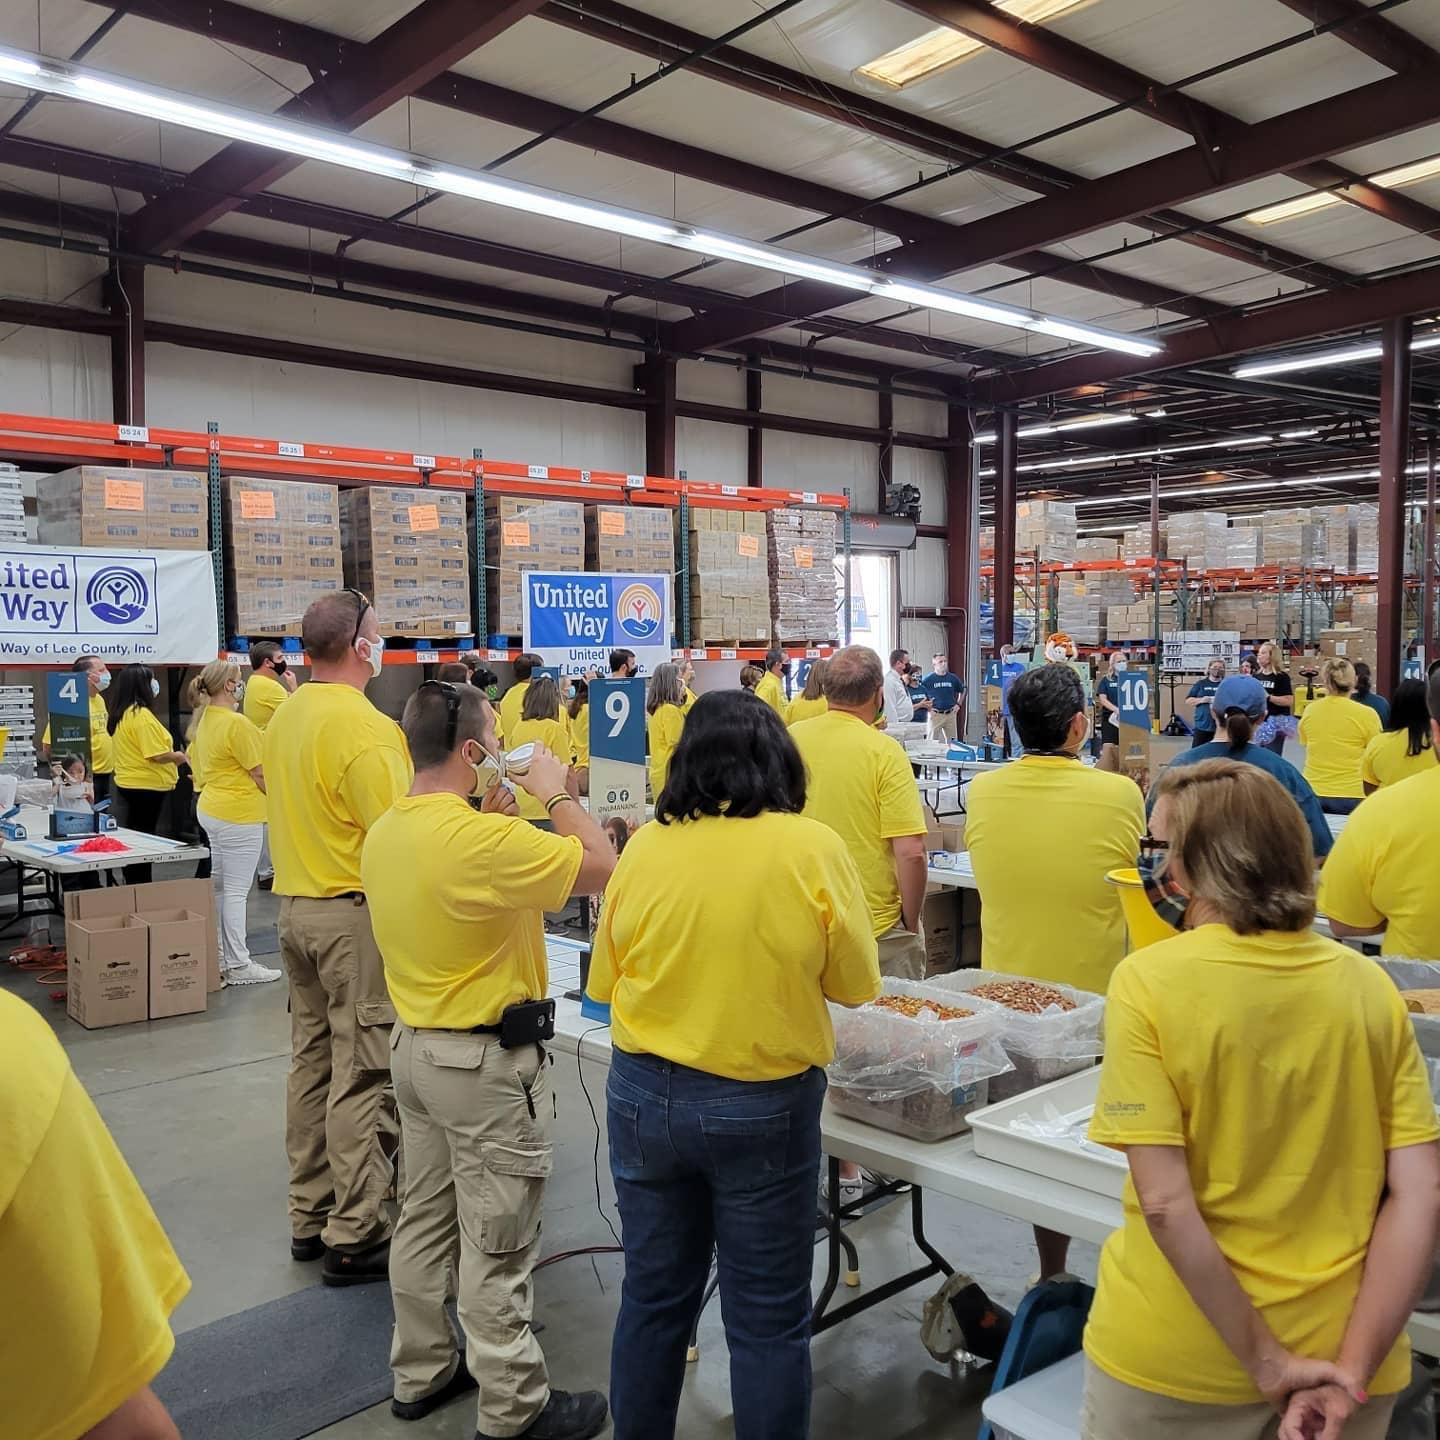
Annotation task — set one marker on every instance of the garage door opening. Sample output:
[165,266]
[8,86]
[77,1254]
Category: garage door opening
[874,620]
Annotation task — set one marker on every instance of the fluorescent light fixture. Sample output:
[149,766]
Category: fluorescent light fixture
[1062,427]
[1227,488]
[1346,355]
[938,50]
[1154,453]
[1298,434]
[1306,204]
[1156,414]
[312,142]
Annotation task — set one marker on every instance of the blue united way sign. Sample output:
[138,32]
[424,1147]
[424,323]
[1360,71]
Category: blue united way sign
[574,621]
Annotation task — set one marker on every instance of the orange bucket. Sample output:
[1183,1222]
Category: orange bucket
[1145,926]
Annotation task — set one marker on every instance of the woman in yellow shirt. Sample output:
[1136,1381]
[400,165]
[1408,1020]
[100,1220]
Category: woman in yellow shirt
[1335,729]
[665,719]
[579,712]
[1280,1215]
[687,680]
[1405,749]
[225,750]
[811,700]
[146,759]
[541,723]
[721,1031]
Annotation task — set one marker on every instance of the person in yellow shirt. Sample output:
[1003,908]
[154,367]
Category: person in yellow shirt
[664,722]
[508,714]
[750,677]
[537,725]
[718,996]
[102,750]
[1057,920]
[457,896]
[687,679]
[811,701]
[225,752]
[860,784]
[1283,1198]
[333,766]
[271,682]
[1335,730]
[771,688]
[91,1280]
[1405,748]
[578,711]
[146,760]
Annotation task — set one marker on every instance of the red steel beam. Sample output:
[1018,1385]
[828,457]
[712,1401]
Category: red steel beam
[1395,368]
[125,299]
[417,47]
[655,379]
[1377,36]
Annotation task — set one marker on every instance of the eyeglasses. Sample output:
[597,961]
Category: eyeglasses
[362,600]
[452,707]
[1150,844]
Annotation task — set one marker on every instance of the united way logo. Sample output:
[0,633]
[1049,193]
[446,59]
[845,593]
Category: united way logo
[638,611]
[117,595]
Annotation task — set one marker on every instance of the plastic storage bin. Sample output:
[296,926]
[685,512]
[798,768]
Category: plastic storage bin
[1044,1407]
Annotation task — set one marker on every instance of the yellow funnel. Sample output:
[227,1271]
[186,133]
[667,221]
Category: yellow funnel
[1146,927]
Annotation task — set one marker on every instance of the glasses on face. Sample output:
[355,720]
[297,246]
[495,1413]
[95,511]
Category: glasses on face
[362,601]
[1152,845]
[452,708]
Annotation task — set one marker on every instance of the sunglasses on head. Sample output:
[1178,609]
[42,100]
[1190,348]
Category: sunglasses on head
[362,600]
[452,708]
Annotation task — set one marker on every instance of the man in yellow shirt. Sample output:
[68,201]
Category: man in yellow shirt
[102,750]
[333,766]
[862,787]
[1043,833]
[771,689]
[271,682]
[90,1279]
[1381,873]
[456,895]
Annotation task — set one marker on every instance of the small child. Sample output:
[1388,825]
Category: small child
[73,791]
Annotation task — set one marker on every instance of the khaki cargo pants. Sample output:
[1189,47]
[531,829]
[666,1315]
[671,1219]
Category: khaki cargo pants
[902,955]
[476,1126]
[335,1102]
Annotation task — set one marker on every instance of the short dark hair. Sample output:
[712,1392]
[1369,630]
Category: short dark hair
[619,659]
[426,722]
[328,629]
[1409,712]
[735,758]
[1432,691]
[896,656]
[526,664]
[542,700]
[84,662]
[453,672]
[1363,679]
[774,656]
[262,651]
[854,676]
[483,679]
[1043,702]
[131,691]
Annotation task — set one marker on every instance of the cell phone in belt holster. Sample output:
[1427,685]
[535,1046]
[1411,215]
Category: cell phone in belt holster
[527,1023]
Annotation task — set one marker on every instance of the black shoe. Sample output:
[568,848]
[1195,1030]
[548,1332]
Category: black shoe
[363,1268]
[565,1417]
[461,1381]
[306,1247]
[265,882]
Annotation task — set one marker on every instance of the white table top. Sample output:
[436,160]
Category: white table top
[961,878]
[40,853]
[944,762]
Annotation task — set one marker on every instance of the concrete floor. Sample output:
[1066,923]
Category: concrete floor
[197,1106]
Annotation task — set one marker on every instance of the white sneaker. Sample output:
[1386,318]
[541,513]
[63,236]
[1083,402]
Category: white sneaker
[251,974]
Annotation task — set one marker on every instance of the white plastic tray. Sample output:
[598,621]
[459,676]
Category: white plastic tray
[1100,1171]
[1044,1406]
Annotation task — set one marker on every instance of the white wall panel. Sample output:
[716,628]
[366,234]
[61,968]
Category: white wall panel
[922,417]
[710,384]
[787,395]
[922,574]
[925,469]
[710,452]
[923,638]
[805,462]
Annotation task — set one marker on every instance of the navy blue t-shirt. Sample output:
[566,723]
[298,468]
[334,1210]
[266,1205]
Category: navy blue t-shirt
[1202,690]
[945,690]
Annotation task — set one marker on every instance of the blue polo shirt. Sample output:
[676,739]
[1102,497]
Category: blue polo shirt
[1202,690]
[944,690]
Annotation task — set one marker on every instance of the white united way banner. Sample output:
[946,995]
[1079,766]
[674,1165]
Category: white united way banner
[155,606]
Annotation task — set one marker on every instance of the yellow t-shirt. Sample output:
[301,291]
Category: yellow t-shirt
[772,692]
[456,901]
[507,712]
[1286,1067]
[802,709]
[1043,832]
[1335,731]
[556,739]
[263,697]
[138,736]
[690,699]
[861,785]
[663,729]
[580,736]
[333,766]
[102,748]
[90,1278]
[1386,761]
[226,748]
[733,987]
[1383,867]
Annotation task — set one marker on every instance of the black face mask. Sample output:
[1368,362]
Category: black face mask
[280,666]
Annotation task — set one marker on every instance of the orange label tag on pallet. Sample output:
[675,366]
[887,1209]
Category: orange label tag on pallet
[257,504]
[424,517]
[748,544]
[515,532]
[612,522]
[124,494]
[804,558]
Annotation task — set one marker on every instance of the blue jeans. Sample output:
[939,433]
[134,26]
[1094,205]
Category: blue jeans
[704,1163]
[1338,805]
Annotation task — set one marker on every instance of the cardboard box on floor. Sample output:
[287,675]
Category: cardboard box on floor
[107,970]
[941,930]
[177,960]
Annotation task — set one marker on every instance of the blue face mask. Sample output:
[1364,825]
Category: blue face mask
[1166,898]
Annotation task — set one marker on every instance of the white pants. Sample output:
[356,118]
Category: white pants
[234,854]
[267,865]
[944,726]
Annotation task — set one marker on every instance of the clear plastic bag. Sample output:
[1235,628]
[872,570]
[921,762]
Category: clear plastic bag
[1419,975]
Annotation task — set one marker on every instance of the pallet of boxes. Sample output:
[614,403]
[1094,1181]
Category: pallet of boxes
[729,578]
[1197,539]
[282,550]
[124,509]
[523,534]
[1045,528]
[1085,600]
[801,547]
[629,540]
[407,550]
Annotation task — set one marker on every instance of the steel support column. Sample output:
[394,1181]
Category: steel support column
[1394,455]
[125,299]
[657,379]
[754,434]
[1006,455]
[1427,571]
[961,546]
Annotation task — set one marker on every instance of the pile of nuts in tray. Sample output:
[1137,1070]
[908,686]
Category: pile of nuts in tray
[913,1005]
[1024,995]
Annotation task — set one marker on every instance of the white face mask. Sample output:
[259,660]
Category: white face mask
[154,688]
[238,693]
[102,680]
[376,656]
[489,772]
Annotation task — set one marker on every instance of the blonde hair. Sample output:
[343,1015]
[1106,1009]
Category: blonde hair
[750,676]
[209,683]
[1339,675]
[1243,844]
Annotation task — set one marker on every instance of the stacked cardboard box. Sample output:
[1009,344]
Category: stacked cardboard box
[523,534]
[1349,642]
[407,550]
[1046,526]
[1288,537]
[1197,537]
[12,507]
[729,578]
[1365,610]
[125,509]
[621,539]
[1367,539]
[1240,549]
[1142,620]
[17,719]
[1085,601]
[987,542]
[802,575]
[282,549]
[1135,544]
[1237,613]
[1288,617]
[1096,547]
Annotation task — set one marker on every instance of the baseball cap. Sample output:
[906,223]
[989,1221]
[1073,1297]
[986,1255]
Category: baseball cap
[1239,692]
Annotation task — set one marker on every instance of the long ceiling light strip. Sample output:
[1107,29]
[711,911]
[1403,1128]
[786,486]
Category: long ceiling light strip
[1153,453]
[56,77]
[1346,356]
[1060,427]
[1402,175]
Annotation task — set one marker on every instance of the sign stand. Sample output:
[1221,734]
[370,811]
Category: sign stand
[617,763]
[1134,694]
